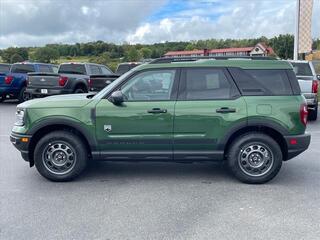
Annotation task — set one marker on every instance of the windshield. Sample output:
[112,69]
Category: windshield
[72,68]
[302,69]
[104,91]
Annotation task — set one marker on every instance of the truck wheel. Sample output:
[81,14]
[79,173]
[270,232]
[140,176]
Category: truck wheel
[80,90]
[60,156]
[23,96]
[254,158]
[313,114]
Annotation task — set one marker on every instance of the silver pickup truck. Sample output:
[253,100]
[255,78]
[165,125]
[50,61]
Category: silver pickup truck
[309,83]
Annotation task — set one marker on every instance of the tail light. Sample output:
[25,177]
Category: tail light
[304,114]
[63,81]
[8,79]
[315,85]
[90,83]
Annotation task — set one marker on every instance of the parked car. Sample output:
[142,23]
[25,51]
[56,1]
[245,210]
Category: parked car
[70,78]
[248,113]
[309,84]
[125,67]
[13,83]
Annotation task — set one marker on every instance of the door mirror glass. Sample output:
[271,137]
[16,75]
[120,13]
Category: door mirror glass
[117,98]
[318,76]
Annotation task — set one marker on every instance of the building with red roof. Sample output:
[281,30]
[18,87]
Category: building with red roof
[259,49]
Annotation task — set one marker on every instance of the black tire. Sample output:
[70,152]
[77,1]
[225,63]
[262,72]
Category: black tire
[250,150]
[23,96]
[80,90]
[1,99]
[313,114]
[60,156]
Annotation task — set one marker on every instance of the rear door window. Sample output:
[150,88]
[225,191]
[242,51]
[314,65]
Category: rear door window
[206,84]
[105,70]
[22,68]
[252,82]
[95,70]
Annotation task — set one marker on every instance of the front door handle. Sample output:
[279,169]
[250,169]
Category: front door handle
[226,110]
[157,110]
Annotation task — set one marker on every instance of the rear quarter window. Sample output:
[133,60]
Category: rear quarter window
[265,82]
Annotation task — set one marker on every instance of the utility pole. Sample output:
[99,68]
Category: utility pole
[296,35]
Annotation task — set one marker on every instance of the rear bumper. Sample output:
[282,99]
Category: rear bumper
[296,144]
[51,91]
[22,146]
[312,99]
[8,91]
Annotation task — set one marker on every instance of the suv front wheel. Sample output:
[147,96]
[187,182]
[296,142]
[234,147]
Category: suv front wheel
[60,156]
[254,158]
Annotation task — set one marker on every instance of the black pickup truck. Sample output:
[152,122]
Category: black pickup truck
[71,78]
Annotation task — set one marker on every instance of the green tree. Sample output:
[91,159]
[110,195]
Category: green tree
[104,59]
[9,52]
[46,54]
[133,55]
[16,58]
[145,52]
[190,47]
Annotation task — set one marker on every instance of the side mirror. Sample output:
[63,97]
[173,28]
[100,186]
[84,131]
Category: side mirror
[318,76]
[117,98]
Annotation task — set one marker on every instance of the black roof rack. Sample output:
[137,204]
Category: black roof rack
[191,59]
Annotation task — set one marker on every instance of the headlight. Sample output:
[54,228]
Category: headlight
[20,114]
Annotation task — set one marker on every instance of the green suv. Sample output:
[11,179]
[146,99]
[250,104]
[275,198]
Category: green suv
[245,112]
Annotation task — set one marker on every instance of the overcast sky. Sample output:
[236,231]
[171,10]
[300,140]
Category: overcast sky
[38,22]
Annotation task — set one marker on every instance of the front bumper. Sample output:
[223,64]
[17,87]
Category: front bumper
[36,92]
[21,142]
[297,144]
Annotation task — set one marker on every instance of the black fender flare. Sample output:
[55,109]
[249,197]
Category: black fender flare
[254,122]
[68,122]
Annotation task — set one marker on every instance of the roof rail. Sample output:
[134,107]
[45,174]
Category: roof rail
[191,59]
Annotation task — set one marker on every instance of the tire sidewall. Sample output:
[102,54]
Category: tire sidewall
[21,94]
[74,141]
[254,138]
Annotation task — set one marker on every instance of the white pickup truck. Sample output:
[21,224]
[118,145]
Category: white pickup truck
[309,84]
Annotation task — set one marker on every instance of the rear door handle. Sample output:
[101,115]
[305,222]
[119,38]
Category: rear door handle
[157,110]
[226,110]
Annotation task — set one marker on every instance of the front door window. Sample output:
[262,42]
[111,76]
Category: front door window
[150,86]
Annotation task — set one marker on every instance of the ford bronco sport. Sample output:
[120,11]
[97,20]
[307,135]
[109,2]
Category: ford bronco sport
[249,113]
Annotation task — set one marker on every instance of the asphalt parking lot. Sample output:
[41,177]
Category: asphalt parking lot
[157,200]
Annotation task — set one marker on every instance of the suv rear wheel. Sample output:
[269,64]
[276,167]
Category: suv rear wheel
[60,156]
[254,158]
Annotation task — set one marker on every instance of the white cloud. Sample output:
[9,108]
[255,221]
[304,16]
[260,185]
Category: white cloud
[238,19]
[38,22]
